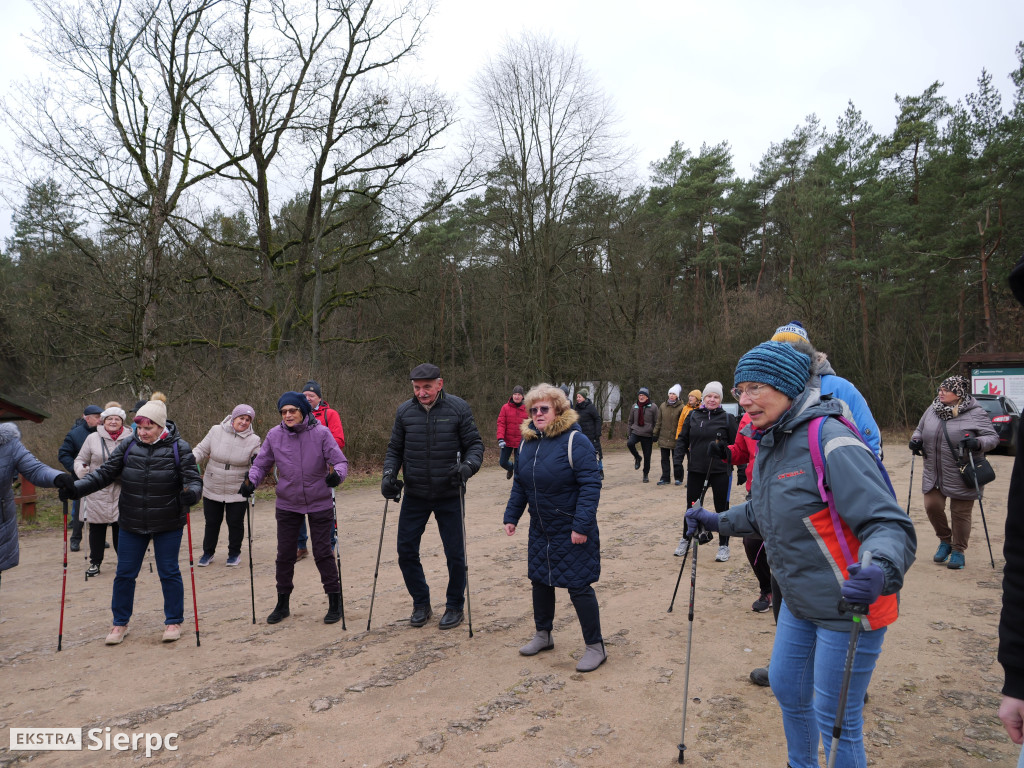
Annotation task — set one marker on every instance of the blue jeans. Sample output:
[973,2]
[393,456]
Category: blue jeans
[131,549]
[503,458]
[806,674]
[412,521]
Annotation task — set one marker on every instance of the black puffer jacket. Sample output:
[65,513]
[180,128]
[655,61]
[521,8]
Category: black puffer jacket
[702,428]
[424,445]
[590,421]
[156,489]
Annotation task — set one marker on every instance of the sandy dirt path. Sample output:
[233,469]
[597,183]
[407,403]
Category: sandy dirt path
[304,693]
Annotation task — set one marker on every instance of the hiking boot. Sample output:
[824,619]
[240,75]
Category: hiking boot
[509,472]
[205,560]
[74,545]
[333,608]
[647,479]
[231,562]
[280,610]
[679,482]
[684,544]
[420,615]
[759,676]
[451,619]
[541,641]
[300,554]
[636,463]
[92,570]
[942,553]
[593,657]
[763,604]
[171,633]
[956,561]
[116,635]
[723,555]
[663,482]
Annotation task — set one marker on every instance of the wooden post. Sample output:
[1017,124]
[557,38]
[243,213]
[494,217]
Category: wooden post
[26,500]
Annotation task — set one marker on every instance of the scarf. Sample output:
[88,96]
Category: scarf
[641,407]
[960,387]
[115,435]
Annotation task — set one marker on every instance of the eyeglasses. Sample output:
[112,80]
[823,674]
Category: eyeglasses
[539,409]
[753,391]
[289,411]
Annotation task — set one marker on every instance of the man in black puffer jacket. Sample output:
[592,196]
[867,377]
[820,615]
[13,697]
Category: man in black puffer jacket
[590,423]
[435,443]
[159,482]
[73,442]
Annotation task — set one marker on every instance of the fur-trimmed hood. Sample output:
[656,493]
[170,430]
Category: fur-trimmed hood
[563,423]
[8,433]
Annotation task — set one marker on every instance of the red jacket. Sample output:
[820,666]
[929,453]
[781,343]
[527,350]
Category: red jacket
[509,419]
[330,419]
[744,450]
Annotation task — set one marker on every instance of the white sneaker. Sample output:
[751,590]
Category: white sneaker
[684,544]
[723,555]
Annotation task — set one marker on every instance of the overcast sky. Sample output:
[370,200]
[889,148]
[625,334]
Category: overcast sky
[678,70]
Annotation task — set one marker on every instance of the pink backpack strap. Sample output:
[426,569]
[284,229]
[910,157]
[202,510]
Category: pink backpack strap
[814,443]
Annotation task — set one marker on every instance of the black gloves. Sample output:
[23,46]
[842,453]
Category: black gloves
[391,486]
[720,450]
[188,497]
[334,479]
[460,473]
[741,475]
[247,489]
[971,443]
[916,447]
[65,485]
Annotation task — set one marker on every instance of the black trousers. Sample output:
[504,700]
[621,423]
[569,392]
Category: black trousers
[668,464]
[583,600]
[758,559]
[98,540]
[412,521]
[645,443]
[215,512]
[719,489]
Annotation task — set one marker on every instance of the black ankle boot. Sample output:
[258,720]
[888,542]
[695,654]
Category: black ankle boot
[280,611]
[333,608]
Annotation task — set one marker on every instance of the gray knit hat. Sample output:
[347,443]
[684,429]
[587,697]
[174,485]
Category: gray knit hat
[777,364]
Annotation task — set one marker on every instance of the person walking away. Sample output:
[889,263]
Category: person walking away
[706,426]
[309,464]
[226,452]
[665,433]
[15,460]
[590,423]
[643,418]
[815,549]
[84,426]
[510,417]
[952,415]
[1011,620]
[559,481]
[437,447]
[100,509]
[331,419]
[159,482]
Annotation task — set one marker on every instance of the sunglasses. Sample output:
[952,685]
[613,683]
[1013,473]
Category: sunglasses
[288,411]
[539,409]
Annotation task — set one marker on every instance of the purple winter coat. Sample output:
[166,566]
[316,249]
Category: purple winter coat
[304,456]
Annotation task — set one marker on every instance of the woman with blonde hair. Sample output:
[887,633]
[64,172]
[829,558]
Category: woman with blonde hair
[558,477]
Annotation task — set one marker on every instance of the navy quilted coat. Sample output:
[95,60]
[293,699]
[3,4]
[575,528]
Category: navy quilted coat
[562,499]
[14,460]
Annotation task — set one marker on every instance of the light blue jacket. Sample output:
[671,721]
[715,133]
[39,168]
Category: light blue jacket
[860,414]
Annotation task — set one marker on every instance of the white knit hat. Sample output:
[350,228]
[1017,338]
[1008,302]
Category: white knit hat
[676,390]
[113,411]
[713,388]
[155,411]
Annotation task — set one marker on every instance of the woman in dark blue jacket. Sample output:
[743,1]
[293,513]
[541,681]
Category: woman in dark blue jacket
[557,475]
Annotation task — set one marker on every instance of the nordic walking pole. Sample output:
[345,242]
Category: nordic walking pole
[337,557]
[694,545]
[682,566]
[977,489]
[250,503]
[910,490]
[465,544]
[191,570]
[858,610]
[376,568]
[64,584]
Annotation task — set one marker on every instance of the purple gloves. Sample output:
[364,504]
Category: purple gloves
[864,585]
[697,515]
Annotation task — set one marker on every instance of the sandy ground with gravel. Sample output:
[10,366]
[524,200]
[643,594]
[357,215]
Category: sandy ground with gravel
[304,693]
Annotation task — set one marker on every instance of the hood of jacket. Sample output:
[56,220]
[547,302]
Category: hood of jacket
[226,426]
[8,433]
[562,423]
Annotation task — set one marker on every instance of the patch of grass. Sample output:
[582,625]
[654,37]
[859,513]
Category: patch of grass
[49,513]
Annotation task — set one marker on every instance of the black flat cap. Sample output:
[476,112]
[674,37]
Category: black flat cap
[425,371]
[92,410]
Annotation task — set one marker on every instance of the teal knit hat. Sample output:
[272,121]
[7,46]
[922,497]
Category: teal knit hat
[777,364]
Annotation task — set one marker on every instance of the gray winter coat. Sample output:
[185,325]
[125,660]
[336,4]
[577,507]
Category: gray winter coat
[14,460]
[787,511]
[101,506]
[650,419]
[227,455]
[940,467]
